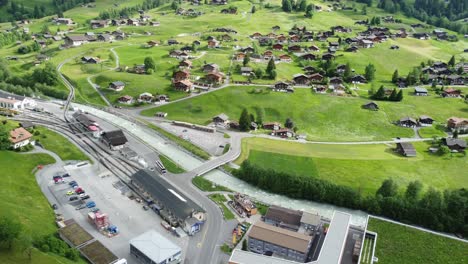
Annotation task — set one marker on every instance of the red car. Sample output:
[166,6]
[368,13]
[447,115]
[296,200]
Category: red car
[79,190]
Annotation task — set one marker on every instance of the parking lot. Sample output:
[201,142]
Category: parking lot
[127,214]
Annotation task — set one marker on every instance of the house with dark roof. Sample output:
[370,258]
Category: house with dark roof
[408,122]
[117,86]
[115,140]
[425,120]
[358,79]
[282,87]
[455,144]
[174,207]
[420,91]
[406,149]
[283,217]
[301,79]
[184,85]
[74,41]
[371,106]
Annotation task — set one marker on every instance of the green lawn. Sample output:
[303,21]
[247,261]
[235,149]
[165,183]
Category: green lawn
[220,200]
[207,186]
[21,198]
[60,145]
[170,165]
[363,167]
[402,245]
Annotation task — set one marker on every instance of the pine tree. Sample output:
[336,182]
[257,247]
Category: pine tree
[399,97]
[270,67]
[289,123]
[395,76]
[244,244]
[347,72]
[393,95]
[244,121]
[149,64]
[380,94]
[452,61]
[246,60]
[253,9]
[370,72]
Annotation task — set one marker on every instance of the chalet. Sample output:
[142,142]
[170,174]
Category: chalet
[423,36]
[126,99]
[99,23]
[90,60]
[450,92]
[171,42]
[248,50]
[408,122]
[154,23]
[282,87]
[175,53]
[309,69]
[186,49]
[184,85]
[211,67]
[272,126]
[277,46]
[117,86]
[152,43]
[314,48]
[115,140]
[401,34]
[316,78]
[420,91]
[221,119]
[285,58]
[351,41]
[294,38]
[352,49]
[371,106]
[144,18]
[256,35]
[455,144]
[283,132]
[334,81]
[64,21]
[267,55]
[275,28]
[264,41]
[440,34]
[181,75]
[219,2]
[226,37]
[301,79]
[406,149]
[282,39]
[455,80]
[139,69]
[133,22]
[214,77]
[240,56]
[358,79]
[341,29]
[162,98]
[365,44]
[320,89]
[42,43]
[145,98]
[234,125]
[394,47]
[213,44]
[196,43]
[294,48]
[105,37]
[74,41]
[328,56]
[425,120]
[417,25]
[458,124]
[246,71]
[309,56]
[341,68]
[185,64]
[20,137]
[42,57]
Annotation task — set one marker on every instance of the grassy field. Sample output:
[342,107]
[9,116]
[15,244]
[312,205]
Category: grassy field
[220,200]
[21,198]
[170,165]
[208,186]
[363,167]
[402,245]
[320,117]
[60,145]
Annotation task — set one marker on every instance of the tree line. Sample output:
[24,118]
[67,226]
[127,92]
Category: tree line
[445,211]
[127,12]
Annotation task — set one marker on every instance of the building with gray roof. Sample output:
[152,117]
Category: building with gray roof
[153,248]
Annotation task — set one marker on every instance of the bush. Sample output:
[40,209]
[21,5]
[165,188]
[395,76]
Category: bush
[37,133]
[72,254]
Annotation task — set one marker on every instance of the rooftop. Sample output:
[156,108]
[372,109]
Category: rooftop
[284,215]
[335,239]
[155,246]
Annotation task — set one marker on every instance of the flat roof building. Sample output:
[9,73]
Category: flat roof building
[152,248]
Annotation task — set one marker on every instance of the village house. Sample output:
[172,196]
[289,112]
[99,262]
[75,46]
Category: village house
[282,87]
[115,140]
[152,43]
[310,69]
[335,81]
[408,122]
[75,41]
[145,98]
[321,89]
[105,37]
[133,22]
[285,58]
[181,75]
[99,23]
[283,132]
[458,124]
[256,35]
[422,36]
[20,137]
[365,44]
[301,79]
[277,46]
[240,56]
[184,86]
[162,98]
[248,50]
[267,55]
[425,120]
[221,119]
[314,48]
[213,44]
[282,39]
[139,69]
[455,144]
[64,21]
[10,103]
[450,92]
[328,56]
[246,71]
[406,149]
[171,42]
[294,48]
[352,49]
[316,78]
[211,67]
[214,77]
[455,80]
[90,60]
[358,79]
[371,106]
[185,64]
[420,91]
[117,86]
[309,56]
[272,125]
[126,99]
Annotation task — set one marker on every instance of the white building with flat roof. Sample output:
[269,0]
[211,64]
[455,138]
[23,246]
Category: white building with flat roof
[153,248]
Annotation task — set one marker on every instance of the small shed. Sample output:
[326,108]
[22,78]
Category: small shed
[406,149]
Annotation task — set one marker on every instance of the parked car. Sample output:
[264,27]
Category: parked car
[90,204]
[54,206]
[73,198]
[95,209]
[70,193]
[79,190]
[80,207]
[66,175]
[145,207]
[72,183]
[86,196]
